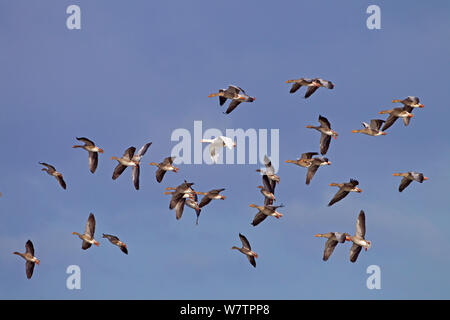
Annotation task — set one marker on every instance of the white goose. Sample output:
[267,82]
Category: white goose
[217,144]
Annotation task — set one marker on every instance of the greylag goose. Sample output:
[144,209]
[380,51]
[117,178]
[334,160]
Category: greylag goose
[190,200]
[264,211]
[358,239]
[211,195]
[409,177]
[217,144]
[88,235]
[127,160]
[394,114]
[29,257]
[163,167]
[326,134]
[333,239]
[268,195]
[269,178]
[344,190]
[372,129]
[179,197]
[235,94]
[312,84]
[116,241]
[247,250]
[93,150]
[305,160]
[315,165]
[52,171]
[136,169]
[410,101]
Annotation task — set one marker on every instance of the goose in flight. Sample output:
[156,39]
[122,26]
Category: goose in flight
[358,239]
[247,250]
[313,164]
[179,196]
[217,144]
[52,171]
[409,177]
[326,134]
[88,235]
[93,150]
[344,190]
[372,129]
[269,178]
[312,84]
[394,114]
[235,94]
[190,200]
[127,160]
[29,257]
[333,239]
[305,160]
[210,195]
[163,167]
[410,101]
[268,195]
[264,211]
[116,241]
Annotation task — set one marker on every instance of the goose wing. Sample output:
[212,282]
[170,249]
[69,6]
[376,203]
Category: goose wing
[29,248]
[93,161]
[118,171]
[143,150]
[376,124]
[128,154]
[205,201]
[90,227]
[61,181]
[324,143]
[259,217]
[354,252]
[404,183]
[86,141]
[233,104]
[245,242]
[179,208]
[310,91]
[160,174]
[135,176]
[329,248]
[361,225]
[49,166]
[29,267]
[341,194]
[252,260]
[389,122]
[312,169]
[295,87]
[324,123]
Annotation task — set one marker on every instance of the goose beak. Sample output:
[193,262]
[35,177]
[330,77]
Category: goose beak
[348,239]
[317,235]
[100,150]
[358,190]
[425,178]
[383,133]
[410,115]
[421,106]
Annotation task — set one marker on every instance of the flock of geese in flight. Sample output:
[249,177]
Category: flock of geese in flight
[184,194]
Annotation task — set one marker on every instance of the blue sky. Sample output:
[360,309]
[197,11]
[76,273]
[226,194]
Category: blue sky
[137,71]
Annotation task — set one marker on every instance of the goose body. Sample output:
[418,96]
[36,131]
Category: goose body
[409,177]
[129,159]
[247,250]
[311,84]
[358,239]
[93,151]
[163,167]
[29,257]
[372,129]
[116,241]
[264,212]
[394,114]
[344,190]
[88,235]
[52,171]
[326,133]
[235,94]
[333,238]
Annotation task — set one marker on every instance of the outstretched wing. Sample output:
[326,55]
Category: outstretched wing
[295,87]
[52,168]
[86,141]
[90,226]
[354,252]
[29,267]
[118,171]
[29,248]
[324,143]
[233,104]
[376,124]
[341,194]
[310,91]
[245,242]
[311,172]
[135,176]
[93,161]
[405,182]
[361,225]
[329,248]
[205,201]
[389,122]
[258,218]
[160,175]
[143,150]
[128,154]
[61,181]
